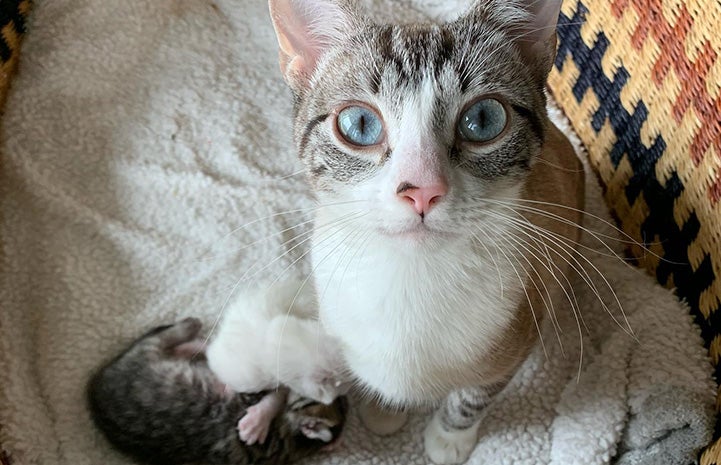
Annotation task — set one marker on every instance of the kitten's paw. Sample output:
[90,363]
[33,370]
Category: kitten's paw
[381,422]
[314,429]
[253,427]
[449,447]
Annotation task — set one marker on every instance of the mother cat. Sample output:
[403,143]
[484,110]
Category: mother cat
[449,202]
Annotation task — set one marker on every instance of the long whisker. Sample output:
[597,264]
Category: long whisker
[570,296]
[495,263]
[521,281]
[287,176]
[245,275]
[339,222]
[312,209]
[321,296]
[263,239]
[300,289]
[573,301]
[578,244]
[547,303]
[629,239]
[525,224]
[568,240]
[365,234]
[536,253]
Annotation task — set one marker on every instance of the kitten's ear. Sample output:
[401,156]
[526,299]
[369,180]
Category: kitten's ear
[537,39]
[305,30]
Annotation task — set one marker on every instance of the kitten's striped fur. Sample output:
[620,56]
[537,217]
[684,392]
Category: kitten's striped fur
[159,403]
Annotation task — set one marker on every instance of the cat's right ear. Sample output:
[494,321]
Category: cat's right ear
[306,29]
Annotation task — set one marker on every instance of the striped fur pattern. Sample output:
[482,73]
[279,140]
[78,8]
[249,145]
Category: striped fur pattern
[460,409]
[159,403]
[427,303]
[442,68]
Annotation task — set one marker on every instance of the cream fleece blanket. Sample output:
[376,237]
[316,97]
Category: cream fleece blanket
[146,166]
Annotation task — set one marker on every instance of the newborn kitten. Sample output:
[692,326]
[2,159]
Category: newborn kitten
[159,403]
[271,337]
[449,203]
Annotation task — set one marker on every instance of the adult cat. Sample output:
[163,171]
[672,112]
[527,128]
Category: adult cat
[451,203]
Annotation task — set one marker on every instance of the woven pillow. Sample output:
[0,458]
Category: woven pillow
[640,81]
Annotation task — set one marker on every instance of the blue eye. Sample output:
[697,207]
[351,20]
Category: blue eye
[360,126]
[483,121]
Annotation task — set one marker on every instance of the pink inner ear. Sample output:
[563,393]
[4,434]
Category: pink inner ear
[545,17]
[305,30]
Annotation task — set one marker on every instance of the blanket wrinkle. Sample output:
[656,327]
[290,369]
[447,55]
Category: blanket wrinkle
[147,166]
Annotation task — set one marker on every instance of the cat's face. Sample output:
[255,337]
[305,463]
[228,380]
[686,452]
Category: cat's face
[415,125]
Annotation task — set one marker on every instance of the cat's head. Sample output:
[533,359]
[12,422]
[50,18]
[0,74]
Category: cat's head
[411,127]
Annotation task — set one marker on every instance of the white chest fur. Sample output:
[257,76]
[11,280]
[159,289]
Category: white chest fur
[415,321]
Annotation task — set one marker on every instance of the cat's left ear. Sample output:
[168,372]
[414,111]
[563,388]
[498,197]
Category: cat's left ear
[306,29]
[537,38]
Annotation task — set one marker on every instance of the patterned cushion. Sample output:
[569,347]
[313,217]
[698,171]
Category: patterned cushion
[640,81]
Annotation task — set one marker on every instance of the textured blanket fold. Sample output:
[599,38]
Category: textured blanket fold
[147,166]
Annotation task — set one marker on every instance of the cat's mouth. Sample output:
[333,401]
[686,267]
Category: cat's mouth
[418,232]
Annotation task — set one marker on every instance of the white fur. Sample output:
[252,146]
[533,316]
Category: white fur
[416,303]
[269,337]
[414,321]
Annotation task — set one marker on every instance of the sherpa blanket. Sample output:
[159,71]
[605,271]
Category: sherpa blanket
[147,166]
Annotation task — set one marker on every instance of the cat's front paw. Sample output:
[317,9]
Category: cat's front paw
[446,447]
[253,427]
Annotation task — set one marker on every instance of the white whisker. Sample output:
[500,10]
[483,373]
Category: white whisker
[575,308]
[300,289]
[528,297]
[559,241]
[547,303]
[246,276]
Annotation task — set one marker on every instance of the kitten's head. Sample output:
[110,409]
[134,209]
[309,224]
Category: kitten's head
[414,125]
[311,425]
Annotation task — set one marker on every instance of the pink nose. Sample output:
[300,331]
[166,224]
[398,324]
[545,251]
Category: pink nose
[422,199]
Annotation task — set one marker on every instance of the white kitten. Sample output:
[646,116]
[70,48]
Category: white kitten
[270,336]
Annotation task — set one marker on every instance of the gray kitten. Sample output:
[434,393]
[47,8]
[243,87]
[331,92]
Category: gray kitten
[159,403]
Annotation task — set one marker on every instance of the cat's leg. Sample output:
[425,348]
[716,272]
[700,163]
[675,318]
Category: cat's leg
[253,427]
[453,431]
[381,421]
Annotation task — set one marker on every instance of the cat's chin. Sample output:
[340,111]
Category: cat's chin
[417,234]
